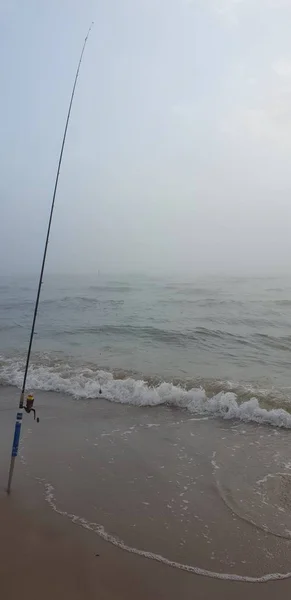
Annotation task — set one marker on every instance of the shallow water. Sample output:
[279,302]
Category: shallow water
[202,495]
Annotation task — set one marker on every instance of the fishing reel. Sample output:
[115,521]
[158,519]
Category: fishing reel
[29,406]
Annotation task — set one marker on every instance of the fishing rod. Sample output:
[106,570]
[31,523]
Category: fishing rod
[29,404]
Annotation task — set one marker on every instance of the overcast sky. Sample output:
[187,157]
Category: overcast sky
[178,155]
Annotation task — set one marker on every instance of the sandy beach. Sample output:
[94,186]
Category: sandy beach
[112,501]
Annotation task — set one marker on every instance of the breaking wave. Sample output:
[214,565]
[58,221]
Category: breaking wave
[85,382]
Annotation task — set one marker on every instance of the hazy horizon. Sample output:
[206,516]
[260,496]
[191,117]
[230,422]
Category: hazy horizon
[179,148]
[162,274]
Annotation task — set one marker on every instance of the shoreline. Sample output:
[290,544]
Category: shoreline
[53,559]
[61,450]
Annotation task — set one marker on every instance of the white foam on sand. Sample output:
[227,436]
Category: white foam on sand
[108,537]
[85,383]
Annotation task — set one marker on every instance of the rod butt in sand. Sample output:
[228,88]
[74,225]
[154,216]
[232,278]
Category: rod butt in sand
[11,469]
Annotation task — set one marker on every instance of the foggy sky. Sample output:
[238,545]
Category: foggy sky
[178,156]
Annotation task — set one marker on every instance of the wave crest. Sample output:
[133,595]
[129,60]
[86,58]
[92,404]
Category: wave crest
[84,382]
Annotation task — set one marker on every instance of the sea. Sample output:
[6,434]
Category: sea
[217,346]
[165,415]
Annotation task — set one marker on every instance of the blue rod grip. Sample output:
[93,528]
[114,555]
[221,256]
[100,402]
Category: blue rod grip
[17,430]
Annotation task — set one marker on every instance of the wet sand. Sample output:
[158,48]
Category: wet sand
[127,469]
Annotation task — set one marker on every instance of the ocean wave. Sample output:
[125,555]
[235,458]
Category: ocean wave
[10,327]
[15,303]
[156,334]
[112,288]
[283,302]
[279,342]
[201,302]
[78,302]
[192,290]
[84,301]
[85,382]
